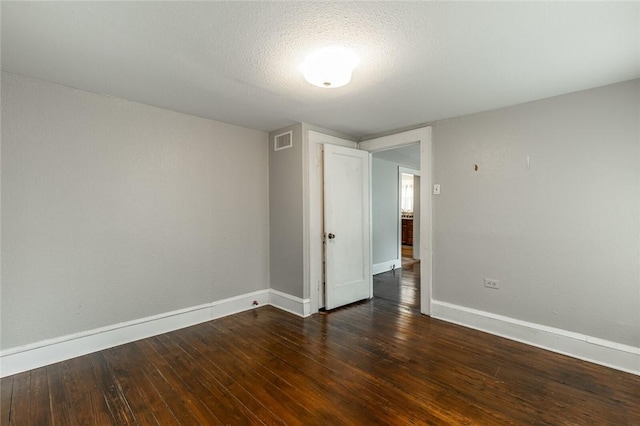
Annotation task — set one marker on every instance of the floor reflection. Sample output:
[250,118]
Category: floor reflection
[401,286]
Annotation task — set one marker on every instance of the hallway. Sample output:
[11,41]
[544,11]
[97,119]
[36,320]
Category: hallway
[401,286]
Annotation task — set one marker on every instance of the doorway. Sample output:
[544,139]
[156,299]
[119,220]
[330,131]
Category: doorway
[312,233]
[422,138]
[395,225]
[409,212]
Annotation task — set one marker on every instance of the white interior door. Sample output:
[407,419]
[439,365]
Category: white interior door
[346,226]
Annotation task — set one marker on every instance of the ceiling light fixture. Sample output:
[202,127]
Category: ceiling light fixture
[330,67]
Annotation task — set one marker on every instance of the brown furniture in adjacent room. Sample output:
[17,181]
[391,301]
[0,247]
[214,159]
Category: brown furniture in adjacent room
[407,231]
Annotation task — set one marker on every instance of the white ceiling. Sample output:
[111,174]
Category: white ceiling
[237,62]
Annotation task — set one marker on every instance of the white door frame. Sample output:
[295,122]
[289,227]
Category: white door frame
[422,136]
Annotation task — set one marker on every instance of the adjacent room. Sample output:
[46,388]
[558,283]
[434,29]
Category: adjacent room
[320,213]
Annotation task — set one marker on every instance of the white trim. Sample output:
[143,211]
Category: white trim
[593,349]
[587,348]
[370,189]
[308,169]
[34,355]
[289,303]
[426,225]
[318,137]
[397,140]
[422,136]
[379,268]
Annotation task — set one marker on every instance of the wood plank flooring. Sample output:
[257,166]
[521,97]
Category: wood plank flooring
[374,362]
[407,256]
[401,286]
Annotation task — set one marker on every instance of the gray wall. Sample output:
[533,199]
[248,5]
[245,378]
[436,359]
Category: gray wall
[114,211]
[287,177]
[563,237]
[286,214]
[384,210]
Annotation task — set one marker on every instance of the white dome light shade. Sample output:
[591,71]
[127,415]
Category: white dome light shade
[330,67]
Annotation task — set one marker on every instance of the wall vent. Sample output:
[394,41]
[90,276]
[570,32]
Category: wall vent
[283,141]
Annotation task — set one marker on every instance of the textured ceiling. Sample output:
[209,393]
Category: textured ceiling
[237,62]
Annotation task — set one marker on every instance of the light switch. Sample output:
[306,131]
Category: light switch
[436,189]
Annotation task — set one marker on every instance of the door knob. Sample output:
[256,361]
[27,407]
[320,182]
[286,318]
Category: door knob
[331,236]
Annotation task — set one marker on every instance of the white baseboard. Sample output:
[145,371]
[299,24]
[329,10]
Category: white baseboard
[23,358]
[289,303]
[379,268]
[588,348]
[39,354]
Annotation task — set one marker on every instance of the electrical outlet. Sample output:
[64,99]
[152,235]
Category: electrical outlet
[489,283]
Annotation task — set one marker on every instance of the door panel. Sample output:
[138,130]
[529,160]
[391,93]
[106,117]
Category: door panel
[346,225]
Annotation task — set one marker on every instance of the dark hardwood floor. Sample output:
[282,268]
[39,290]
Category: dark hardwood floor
[374,362]
[401,286]
[407,256]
